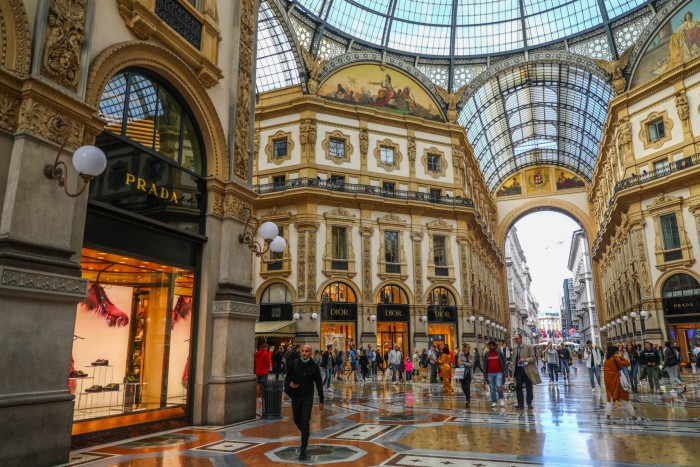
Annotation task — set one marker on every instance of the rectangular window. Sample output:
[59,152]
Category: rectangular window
[440,255]
[339,247]
[277,265]
[336,147]
[434,163]
[389,188]
[391,251]
[278,181]
[280,147]
[661,166]
[435,194]
[671,237]
[656,130]
[386,155]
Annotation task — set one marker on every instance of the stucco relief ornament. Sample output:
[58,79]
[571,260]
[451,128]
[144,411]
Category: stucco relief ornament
[451,99]
[314,67]
[683,109]
[616,69]
[364,143]
[64,41]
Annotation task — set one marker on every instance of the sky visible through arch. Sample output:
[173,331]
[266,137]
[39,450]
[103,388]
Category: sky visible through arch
[545,237]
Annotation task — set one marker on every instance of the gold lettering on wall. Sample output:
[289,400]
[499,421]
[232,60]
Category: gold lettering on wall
[152,190]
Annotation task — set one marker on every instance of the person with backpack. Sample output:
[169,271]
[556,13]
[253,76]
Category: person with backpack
[394,360]
[672,359]
[327,366]
[650,359]
[302,375]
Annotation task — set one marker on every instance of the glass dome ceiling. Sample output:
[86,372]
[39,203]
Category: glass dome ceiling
[463,27]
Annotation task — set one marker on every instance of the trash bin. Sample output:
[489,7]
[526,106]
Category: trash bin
[272,399]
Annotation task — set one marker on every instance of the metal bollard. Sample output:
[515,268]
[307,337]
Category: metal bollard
[272,399]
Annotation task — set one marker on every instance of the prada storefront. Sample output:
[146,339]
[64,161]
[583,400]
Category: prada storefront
[338,316]
[442,318]
[393,318]
[132,346]
[681,301]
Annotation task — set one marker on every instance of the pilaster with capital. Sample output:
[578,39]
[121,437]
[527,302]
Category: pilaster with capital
[366,233]
[417,238]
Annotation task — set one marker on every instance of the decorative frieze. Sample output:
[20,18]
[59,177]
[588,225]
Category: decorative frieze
[366,233]
[64,40]
[31,281]
[244,95]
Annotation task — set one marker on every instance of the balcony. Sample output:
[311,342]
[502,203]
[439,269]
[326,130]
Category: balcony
[355,188]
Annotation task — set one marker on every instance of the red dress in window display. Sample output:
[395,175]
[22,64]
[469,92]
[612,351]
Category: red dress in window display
[98,302]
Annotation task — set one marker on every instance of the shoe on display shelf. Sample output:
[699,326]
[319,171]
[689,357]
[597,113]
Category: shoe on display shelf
[95,388]
[111,387]
[78,374]
[100,362]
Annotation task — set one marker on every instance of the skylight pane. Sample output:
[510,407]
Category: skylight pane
[438,12]
[418,38]
[617,7]
[474,12]
[275,66]
[314,6]
[549,20]
[488,38]
[360,23]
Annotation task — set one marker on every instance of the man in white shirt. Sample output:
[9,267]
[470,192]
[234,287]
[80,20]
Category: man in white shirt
[394,362]
[593,361]
[432,362]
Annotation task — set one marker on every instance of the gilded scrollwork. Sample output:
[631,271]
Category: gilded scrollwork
[9,109]
[366,233]
[301,263]
[48,123]
[683,109]
[243,94]
[16,38]
[643,268]
[63,45]
[235,207]
[364,143]
[311,267]
[417,238]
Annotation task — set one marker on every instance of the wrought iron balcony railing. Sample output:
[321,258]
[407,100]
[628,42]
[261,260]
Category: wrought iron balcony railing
[355,188]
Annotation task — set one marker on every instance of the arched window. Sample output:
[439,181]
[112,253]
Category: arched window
[139,106]
[338,292]
[441,296]
[681,285]
[276,293]
[392,294]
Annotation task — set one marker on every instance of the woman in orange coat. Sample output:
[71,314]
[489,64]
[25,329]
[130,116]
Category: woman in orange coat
[614,362]
[445,365]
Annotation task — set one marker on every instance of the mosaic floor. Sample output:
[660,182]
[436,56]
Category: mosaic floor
[416,425]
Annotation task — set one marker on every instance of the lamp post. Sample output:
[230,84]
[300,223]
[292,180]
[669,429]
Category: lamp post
[633,315]
[619,327]
[488,334]
[642,318]
[493,329]
[627,326]
[481,330]
[472,319]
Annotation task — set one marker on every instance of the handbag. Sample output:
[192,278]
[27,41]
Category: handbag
[459,373]
[624,379]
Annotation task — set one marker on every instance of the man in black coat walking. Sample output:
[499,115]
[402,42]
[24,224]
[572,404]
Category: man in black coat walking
[302,375]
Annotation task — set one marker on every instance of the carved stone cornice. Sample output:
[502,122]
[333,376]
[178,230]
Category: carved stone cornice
[392,219]
[37,107]
[228,199]
[664,201]
[339,212]
[366,231]
[276,213]
[32,282]
[306,225]
[439,223]
[229,309]
[416,236]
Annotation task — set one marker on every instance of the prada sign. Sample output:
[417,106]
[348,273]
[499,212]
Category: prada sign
[336,311]
[391,312]
[681,305]
[442,314]
[276,312]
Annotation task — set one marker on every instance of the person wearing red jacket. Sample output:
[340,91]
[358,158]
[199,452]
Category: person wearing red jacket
[262,369]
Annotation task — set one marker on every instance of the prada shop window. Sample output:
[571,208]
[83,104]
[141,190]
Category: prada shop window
[442,318]
[338,316]
[393,317]
[681,301]
[131,349]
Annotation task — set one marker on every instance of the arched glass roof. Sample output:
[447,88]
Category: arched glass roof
[463,27]
[276,66]
[539,113]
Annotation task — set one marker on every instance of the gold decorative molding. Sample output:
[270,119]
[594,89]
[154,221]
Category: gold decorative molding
[366,233]
[412,150]
[443,162]
[339,217]
[392,222]
[664,201]
[65,26]
[364,143]
[141,18]
[341,137]
[644,133]
[244,94]
[270,147]
[172,69]
[314,67]
[440,228]
[275,213]
[9,112]
[311,266]
[307,137]
[683,109]
[417,238]
[16,50]
[301,263]
[392,219]
[387,143]
[668,204]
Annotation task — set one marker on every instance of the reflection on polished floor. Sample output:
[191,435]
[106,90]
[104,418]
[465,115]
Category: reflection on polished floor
[382,424]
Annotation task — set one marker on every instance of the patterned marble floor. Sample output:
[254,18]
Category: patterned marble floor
[416,425]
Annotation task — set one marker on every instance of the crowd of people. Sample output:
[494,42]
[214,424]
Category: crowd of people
[625,369]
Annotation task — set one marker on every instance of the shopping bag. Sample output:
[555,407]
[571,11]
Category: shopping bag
[459,373]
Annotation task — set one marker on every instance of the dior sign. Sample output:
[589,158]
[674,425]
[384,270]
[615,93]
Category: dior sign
[393,312]
[339,311]
[442,314]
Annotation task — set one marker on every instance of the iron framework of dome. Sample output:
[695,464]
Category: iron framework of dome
[545,114]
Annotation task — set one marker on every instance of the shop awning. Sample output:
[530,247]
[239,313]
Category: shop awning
[275,328]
